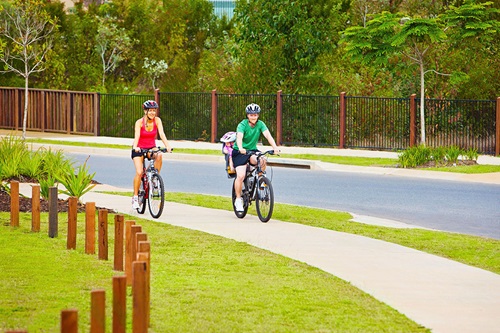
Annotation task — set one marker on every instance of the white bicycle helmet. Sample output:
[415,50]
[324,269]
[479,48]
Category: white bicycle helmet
[252,109]
[228,137]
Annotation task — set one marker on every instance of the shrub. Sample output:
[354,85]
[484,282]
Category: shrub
[452,154]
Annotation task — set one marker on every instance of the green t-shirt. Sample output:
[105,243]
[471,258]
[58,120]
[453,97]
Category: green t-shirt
[251,134]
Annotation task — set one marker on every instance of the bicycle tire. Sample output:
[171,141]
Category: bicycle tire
[156,198]
[245,203]
[142,199]
[264,203]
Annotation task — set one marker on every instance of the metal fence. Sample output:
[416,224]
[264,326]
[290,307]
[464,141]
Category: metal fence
[302,120]
[470,124]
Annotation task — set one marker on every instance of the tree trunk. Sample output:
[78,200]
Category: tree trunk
[422,104]
[26,94]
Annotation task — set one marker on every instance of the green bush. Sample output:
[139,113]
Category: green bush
[452,154]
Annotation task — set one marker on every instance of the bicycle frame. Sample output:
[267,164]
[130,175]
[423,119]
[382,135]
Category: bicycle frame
[151,178]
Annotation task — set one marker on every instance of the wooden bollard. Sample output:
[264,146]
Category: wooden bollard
[119,238]
[102,237]
[98,311]
[139,297]
[90,228]
[35,208]
[128,251]
[144,256]
[119,304]
[72,220]
[140,237]
[14,203]
[53,222]
[135,229]
[69,321]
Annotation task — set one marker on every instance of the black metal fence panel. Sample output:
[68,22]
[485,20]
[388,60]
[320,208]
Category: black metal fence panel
[468,124]
[311,120]
[186,116]
[119,113]
[231,110]
[377,123]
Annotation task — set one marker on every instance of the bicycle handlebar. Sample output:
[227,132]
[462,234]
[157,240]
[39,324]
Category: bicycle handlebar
[154,150]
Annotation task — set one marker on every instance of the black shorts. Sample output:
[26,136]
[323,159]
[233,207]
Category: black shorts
[241,159]
[138,154]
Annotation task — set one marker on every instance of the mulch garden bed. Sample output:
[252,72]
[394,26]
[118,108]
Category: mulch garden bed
[25,203]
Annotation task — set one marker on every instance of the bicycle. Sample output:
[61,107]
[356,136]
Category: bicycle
[152,187]
[263,194]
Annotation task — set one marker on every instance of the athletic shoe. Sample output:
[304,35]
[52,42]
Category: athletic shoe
[135,202]
[238,204]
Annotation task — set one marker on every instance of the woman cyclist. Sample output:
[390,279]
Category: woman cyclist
[247,136]
[146,130]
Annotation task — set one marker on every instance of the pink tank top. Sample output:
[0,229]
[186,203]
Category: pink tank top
[148,138]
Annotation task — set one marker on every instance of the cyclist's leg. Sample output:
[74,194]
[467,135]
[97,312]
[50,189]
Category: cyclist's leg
[238,182]
[158,161]
[138,173]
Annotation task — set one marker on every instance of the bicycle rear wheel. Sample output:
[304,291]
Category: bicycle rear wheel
[142,199]
[156,199]
[265,199]
[245,202]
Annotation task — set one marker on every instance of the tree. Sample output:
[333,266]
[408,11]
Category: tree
[111,43]
[387,35]
[155,69]
[27,29]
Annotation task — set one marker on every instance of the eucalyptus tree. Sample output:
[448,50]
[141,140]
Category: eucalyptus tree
[112,43]
[26,29]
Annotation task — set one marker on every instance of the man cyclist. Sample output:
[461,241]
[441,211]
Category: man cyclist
[247,136]
[146,130]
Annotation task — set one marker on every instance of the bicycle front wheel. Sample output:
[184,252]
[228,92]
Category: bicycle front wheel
[156,199]
[265,199]
[142,199]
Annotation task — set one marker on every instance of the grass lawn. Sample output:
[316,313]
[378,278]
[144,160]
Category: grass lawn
[200,283]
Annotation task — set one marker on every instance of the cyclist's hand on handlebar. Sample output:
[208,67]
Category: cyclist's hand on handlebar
[243,151]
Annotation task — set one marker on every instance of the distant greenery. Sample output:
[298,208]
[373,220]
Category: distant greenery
[439,156]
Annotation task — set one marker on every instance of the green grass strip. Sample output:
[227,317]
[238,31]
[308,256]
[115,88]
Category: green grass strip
[200,283]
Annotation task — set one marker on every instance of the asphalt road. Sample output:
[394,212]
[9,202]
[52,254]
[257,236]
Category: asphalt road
[471,208]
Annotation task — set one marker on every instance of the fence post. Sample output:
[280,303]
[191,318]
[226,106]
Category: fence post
[90,228]
[128,251]
[103,234]
[497,139]
[279,118]
[98,311]
[142,256]
[118,253]
[139,297]
[342,121]
[69,321]
[119,304]
[14,203]
[135,229]
[72,217]
[413,118]
[53,222]
[35,208]
[213,135]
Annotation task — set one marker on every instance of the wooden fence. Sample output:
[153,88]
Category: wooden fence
[131,254]
[69,112]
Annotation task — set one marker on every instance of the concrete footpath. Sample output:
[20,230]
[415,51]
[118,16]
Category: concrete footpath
[440,294]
